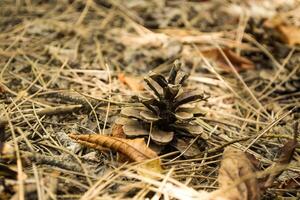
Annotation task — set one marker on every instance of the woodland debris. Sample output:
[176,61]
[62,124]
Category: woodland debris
[286,154]
[164,117]
[236,177]
[134,149]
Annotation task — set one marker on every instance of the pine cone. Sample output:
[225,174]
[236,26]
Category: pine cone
[167,110]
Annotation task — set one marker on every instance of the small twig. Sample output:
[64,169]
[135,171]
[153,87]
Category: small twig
[59,162]
[49,111]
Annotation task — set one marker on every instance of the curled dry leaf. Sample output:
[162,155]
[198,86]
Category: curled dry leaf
[289,34]
[236,177]
[153,165]
[240,63]
[134,149]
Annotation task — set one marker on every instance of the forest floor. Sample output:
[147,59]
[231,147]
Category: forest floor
[71,66]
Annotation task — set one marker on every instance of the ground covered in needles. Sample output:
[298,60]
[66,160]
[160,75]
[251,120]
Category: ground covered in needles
[111,99]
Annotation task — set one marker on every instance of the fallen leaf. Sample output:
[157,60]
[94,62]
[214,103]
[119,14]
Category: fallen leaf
[240,63]
[153,165]
[133,82]
[275,21]
[284,159]
[117,131]
[134,149]
[236,177]
[289,34]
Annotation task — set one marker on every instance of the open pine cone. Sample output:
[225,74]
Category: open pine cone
[167,114]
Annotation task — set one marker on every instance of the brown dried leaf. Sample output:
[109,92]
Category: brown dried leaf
[117,131]
[275,21]
[133,82]
[290,34]
[284,159]
[240,63]
[236,177]
[134,149]
[153,165]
